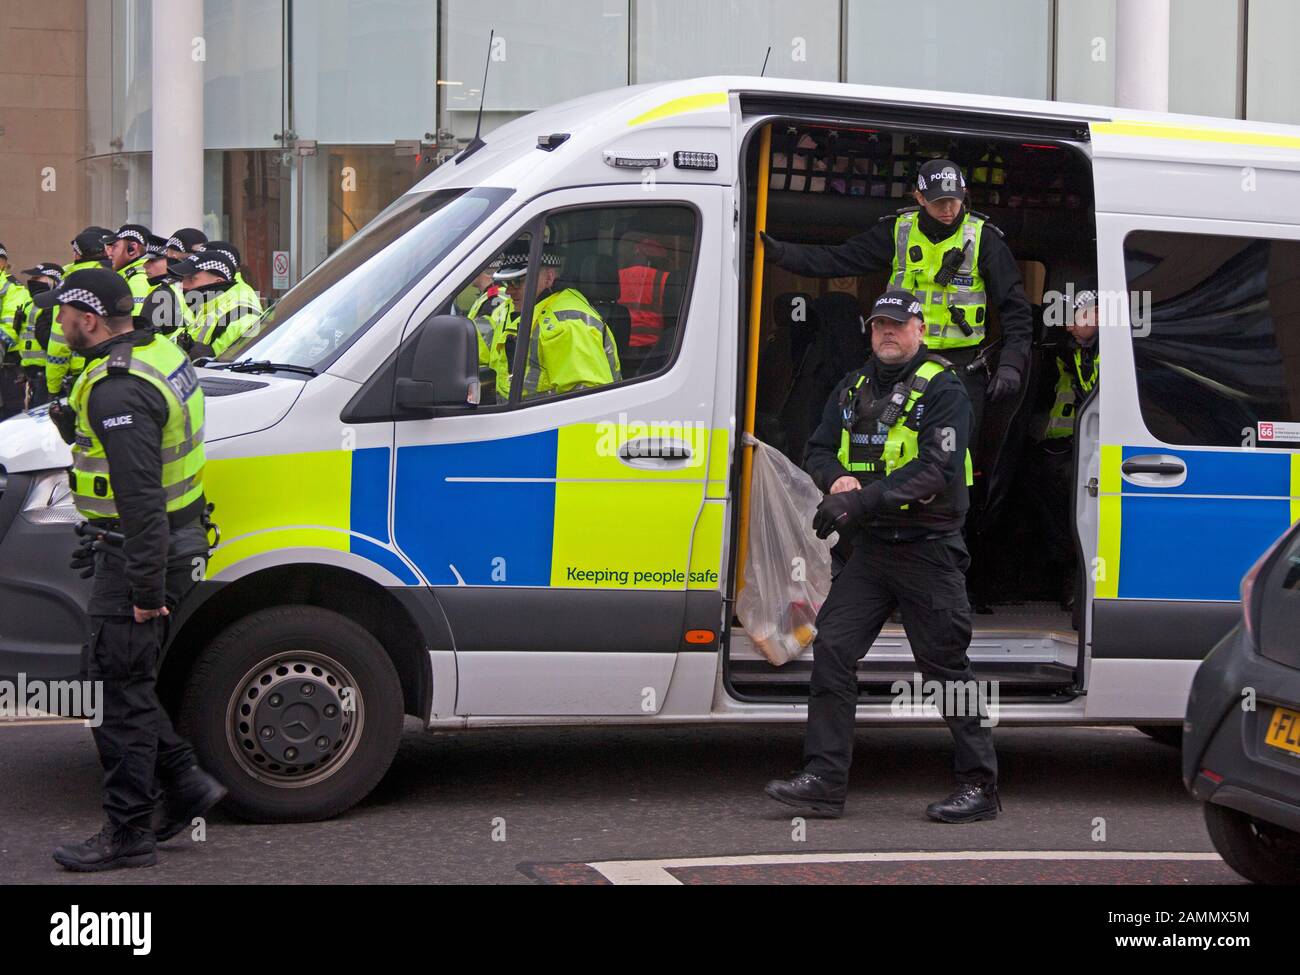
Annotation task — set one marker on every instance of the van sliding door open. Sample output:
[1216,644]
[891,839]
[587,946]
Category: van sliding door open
[825,170]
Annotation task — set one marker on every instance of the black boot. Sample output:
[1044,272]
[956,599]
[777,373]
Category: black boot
[970,803]
[191,794]
[112,848]
[809,793]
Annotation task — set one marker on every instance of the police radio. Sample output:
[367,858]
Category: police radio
[948,267]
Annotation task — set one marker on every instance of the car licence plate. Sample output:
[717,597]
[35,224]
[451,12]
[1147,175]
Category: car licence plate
[1284,730]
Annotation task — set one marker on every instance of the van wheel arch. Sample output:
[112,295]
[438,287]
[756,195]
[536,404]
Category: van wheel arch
[347,593]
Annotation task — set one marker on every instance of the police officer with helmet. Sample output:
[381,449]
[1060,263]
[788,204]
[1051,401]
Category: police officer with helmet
[955,262]
[135,422]
[892,452]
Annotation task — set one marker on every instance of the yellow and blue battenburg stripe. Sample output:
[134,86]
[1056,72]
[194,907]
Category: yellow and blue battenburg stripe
[1196,540]
[556,508]
[332,499]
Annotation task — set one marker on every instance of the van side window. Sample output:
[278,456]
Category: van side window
[611,288]
[1216,337]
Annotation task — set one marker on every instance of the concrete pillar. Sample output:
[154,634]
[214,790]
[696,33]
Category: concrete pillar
[1142,54]
[177,116]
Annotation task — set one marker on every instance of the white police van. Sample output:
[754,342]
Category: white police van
[390,546]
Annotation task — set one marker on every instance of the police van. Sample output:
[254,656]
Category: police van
[402,536]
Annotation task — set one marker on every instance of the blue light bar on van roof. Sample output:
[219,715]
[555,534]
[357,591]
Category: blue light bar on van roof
[684,159]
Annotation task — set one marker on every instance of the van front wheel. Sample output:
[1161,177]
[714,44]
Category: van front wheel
[297,710]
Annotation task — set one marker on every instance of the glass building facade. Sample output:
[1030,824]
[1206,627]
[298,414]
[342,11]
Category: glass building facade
[318,113]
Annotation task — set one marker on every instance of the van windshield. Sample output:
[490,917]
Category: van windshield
[338,300]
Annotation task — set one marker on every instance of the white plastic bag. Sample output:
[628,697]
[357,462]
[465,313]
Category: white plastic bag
[787,567]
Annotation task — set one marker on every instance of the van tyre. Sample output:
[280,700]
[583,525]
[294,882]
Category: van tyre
[297,710]
[1261,852]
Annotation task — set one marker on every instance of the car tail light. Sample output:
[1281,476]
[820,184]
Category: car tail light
[1249,609]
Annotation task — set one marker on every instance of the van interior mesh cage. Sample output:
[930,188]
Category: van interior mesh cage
[854,162]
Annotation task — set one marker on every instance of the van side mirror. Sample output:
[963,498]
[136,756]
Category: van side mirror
[444,369]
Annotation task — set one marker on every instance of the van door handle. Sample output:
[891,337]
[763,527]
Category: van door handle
[1154,470]
[660,448]
[1169,469]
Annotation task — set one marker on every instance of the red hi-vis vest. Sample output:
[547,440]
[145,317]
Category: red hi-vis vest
[641,291]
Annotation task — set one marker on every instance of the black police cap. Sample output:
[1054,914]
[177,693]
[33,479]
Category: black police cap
[97,290]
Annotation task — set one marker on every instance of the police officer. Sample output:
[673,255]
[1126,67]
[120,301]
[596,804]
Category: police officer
[569,346]
[183,243]
[62,363]
[126,251]
[13,304]
[1050,460]
[490,296]
[33,326]
[245,291]
[135,420]
[220,310]
[956,263]
[164,309]
[892,451]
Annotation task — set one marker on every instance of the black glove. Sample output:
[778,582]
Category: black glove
[775,249]
[65,420]
[1005,384]
[838,512]
[83,557]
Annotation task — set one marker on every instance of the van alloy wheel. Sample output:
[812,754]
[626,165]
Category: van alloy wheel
[295,719]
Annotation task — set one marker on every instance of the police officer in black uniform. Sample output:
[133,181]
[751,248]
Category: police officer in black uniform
[940,212]
[143,564]
[891,451]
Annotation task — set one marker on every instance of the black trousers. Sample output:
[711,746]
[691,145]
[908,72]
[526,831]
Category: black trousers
[138,747]
[1049,465]
[926,580]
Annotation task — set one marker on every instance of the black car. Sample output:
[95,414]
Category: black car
[1241,736]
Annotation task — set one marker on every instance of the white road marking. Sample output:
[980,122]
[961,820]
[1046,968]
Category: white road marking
[656,871]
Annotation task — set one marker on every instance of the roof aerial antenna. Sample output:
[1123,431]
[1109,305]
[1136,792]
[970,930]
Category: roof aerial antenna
[765,57]
[476,143]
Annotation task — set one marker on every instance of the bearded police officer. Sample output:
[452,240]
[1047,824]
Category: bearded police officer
[955,262]
[127,250]
[891,450]
[135,420]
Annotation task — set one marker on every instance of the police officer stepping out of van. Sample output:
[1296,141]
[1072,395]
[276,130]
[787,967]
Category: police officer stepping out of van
[1050,462]
[955,261]
[135,422]
[891,450]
